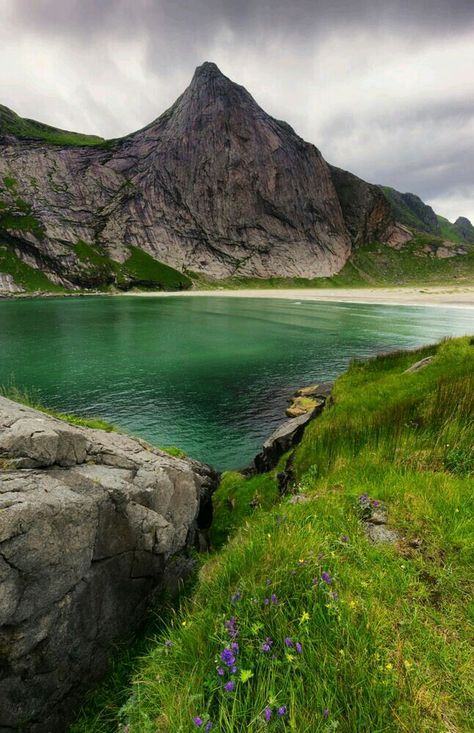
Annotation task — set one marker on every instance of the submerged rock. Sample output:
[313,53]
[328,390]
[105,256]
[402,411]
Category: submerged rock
[92,524]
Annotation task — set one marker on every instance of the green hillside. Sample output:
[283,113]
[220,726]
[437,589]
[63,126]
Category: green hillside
[13,124]
[301,622]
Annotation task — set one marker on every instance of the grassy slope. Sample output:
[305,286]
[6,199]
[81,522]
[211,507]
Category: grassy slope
[139,270]
[448,231]
[385,645]
[23,274]
[13,124]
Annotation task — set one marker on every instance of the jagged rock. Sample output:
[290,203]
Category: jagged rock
[91,525]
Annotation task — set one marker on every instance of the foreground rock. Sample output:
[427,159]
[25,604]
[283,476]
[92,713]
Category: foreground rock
[91,525]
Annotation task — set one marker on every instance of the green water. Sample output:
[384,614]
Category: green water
[210,375]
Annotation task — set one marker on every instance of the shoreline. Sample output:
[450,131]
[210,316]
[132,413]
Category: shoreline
[435,296]
[460,296]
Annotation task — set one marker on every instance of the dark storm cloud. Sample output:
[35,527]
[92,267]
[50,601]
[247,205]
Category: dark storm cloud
[304,17]
[383,87]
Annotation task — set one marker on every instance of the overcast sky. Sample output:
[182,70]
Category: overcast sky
[384,88]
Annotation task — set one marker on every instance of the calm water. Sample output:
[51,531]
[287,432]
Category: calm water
[210,375]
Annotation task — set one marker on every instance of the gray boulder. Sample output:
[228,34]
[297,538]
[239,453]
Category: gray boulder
[92,525]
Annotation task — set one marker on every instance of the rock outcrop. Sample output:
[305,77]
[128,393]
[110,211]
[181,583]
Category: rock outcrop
[290,432]
[92,524]
[307,399]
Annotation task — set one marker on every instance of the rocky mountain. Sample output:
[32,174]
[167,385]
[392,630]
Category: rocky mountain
[213,186]
[409,210]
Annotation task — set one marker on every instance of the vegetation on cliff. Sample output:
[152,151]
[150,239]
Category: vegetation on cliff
[425,260]
[301,622]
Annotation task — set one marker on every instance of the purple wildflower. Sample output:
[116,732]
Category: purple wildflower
[266,601]
[228,657]
[236,597]
[231,627]
[288,642]
[325,713]
[375,503]
[208,727]
[274,599]
[233,669]
[267,645]
[344,538]
[267,714]
[197,721]
[363,498]
[235,647]
[281,711]
[229,686]
[326,578]
[220,672]
[298,647]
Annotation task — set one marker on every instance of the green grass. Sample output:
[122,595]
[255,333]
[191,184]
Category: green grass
[28,277]
[12,124]
[392,650]
[30,399]
[145,271]
[373,265]
[172,450]
[448,231]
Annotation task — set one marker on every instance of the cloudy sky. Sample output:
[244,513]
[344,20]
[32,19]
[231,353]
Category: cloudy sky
[385,88]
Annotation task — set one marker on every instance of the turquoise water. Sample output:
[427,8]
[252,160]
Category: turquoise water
[210,375]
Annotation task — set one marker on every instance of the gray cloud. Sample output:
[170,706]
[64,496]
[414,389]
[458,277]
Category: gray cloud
[382,88]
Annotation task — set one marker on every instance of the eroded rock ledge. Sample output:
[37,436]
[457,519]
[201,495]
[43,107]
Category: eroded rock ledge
[91,525]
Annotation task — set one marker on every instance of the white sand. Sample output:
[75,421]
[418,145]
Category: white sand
[461,296]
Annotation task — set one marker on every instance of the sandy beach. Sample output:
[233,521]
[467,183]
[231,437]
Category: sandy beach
[452,296]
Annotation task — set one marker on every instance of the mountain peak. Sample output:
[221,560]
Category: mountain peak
[208,70]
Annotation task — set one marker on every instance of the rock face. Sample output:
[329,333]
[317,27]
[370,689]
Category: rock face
[91,525]
[8,285]
[214,185]
[367,213]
